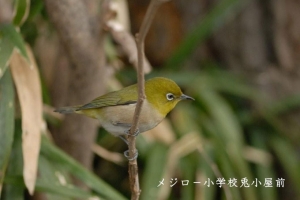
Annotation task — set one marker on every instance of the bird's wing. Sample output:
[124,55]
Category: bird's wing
[122,97]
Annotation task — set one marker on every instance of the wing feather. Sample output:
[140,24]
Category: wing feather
[125,96]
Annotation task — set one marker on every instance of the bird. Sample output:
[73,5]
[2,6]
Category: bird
[115,110]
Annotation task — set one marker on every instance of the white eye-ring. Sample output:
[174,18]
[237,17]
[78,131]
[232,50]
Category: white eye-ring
[170,96]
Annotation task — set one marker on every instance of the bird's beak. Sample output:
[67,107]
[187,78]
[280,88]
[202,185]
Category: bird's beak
[183,97]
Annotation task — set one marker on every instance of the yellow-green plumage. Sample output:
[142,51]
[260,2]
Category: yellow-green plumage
[115,110]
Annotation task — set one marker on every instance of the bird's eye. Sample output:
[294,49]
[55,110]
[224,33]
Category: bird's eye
[170,96]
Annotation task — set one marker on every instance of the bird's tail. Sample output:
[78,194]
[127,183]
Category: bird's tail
[67,110]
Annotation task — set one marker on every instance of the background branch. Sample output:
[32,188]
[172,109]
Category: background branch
[140,40]
[121,35]
[82,40]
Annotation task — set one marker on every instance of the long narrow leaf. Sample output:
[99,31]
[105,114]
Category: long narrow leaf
[188,167]
[6,49]
[6,122]
[288,159]
[70,192]
[21,11]
[55,182]
[204,173]
[15,190]
[223,115]
[230,131]
[27,81]
[55,155]
[9,32]
[263,172]
[284,105]
[156,161]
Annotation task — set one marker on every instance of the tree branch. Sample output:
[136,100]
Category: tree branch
[83,45]
[140,39]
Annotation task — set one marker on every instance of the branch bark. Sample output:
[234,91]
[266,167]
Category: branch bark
[140,40]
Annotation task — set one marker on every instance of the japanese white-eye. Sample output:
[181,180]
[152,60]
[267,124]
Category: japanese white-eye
[115,110]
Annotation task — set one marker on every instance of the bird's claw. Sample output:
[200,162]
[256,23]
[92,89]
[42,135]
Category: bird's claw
[136,132]
[126,154]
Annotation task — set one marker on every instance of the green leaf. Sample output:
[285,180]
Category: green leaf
[60,191]
[188,168]
[223,115]
[224,81]
[15,190]
[289,160]
[36,7]
[205,171]
[230,131]
[56,155]
[156,161]
[21,11]
[284,105]
[10,38]
[259,140]
[54,181]
[6,122]
[6,49]
[230,171]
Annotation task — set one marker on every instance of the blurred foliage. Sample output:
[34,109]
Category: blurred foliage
[229,131]
[203,29]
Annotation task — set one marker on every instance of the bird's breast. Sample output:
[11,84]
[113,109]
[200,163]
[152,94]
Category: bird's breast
[118,119]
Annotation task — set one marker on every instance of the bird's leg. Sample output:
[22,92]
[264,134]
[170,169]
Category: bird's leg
[123,138]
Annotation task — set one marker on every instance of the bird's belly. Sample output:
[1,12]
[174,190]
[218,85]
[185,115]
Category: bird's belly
[118,119]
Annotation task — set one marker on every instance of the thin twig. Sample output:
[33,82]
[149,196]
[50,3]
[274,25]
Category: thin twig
[121,35]
[140,38]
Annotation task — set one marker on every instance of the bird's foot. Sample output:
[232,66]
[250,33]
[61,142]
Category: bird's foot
[136,132]
[126,154]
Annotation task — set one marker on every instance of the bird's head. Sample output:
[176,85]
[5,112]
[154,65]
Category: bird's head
[163,94]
